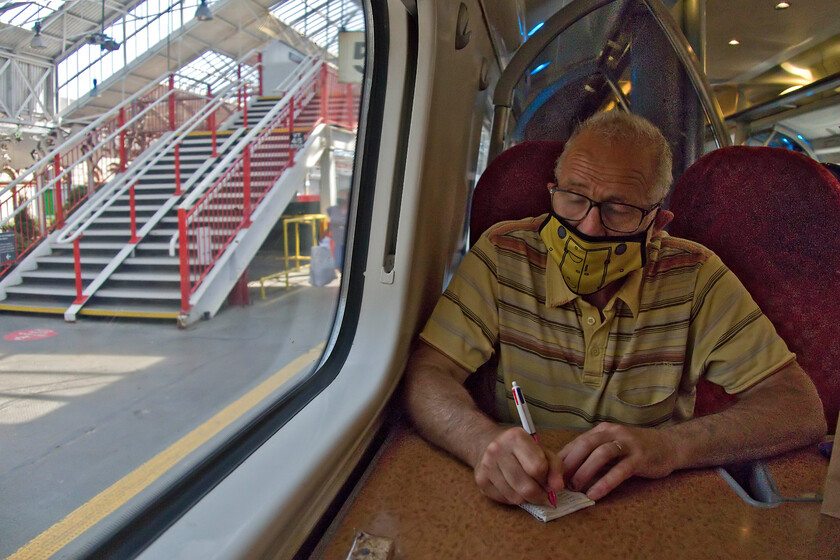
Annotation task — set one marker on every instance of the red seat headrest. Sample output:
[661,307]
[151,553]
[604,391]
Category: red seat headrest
[772,216]
[514,185]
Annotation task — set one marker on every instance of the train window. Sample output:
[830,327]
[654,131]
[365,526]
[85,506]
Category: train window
[616,57]
[782,137]
[236,225]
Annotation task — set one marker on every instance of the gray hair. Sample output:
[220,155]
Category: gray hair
[629,129]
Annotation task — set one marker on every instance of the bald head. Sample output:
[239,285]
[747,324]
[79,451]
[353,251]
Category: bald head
[626,129]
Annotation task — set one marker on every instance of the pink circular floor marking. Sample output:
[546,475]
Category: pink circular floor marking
[30,334]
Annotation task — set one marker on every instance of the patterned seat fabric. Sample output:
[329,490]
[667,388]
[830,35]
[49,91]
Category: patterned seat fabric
[772,216]
[514,185]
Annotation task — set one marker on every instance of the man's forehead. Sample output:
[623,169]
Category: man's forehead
[594,160]
[591,144]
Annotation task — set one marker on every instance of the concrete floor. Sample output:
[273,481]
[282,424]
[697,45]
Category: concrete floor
[81,409]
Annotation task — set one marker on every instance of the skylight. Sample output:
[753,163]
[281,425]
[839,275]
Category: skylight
[25,14]
[321,20]
[211,69]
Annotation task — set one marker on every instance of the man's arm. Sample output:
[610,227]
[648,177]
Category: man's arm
[508,465]
[780,413]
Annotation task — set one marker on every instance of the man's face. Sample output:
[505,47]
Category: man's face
[607,172]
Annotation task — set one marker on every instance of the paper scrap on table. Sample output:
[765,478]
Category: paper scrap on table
[567,502]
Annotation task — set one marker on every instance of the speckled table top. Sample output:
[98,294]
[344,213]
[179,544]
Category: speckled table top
[428,503]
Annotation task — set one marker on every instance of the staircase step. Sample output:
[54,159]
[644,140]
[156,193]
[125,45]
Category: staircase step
[59,274]
[146,276]
[154,261]
[34,304]
[65,259]
[93,231]
[40,290]
[89,246]
[152,246]
[145,292]
[125,309]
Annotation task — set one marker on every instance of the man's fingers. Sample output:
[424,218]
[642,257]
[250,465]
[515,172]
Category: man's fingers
[503,488]
[616,475]
[526,487]
[578,451]
[555,471]
[600,457]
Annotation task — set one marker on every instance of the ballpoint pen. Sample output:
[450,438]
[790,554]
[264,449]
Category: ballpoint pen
[528,426]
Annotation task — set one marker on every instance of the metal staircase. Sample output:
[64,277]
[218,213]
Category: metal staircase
[164,248]
[144,285]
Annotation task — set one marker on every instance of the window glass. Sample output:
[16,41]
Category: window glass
[615,58]
[226,273]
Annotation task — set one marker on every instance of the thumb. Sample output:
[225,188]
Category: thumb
[555,471]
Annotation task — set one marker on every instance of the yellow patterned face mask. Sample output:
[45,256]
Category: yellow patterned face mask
[590,263]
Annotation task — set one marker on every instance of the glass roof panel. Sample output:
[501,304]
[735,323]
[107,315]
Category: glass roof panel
[321,20]
[25,14]
[211,69]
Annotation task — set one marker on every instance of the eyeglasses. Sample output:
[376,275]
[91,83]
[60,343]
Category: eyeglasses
[615,216]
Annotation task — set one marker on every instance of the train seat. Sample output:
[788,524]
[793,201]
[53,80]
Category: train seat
[772,216]
[834,168]
[514,185]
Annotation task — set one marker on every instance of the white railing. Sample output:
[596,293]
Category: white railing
[118,188]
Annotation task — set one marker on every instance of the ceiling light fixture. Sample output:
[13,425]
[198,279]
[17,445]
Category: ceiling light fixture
[105,42]
[37,41]
[203,12]
[790,89]
[782,5]
[734,42]
[804,73]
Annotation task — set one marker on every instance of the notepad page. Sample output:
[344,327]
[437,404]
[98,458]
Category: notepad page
[567,502]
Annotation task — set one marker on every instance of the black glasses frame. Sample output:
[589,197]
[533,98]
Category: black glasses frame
[592,203]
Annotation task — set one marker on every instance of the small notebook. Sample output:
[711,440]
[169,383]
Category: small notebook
[567,502]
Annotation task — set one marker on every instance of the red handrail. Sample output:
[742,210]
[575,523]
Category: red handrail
[77,268]
[90,168]
[133,215]
[207,229]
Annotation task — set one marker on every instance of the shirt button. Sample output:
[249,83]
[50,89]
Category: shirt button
[595,352]
[590,321]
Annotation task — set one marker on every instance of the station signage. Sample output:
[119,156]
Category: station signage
[351,57]
[8,252]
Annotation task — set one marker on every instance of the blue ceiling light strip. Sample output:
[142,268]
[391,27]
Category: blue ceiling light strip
[536,28]
[540,68]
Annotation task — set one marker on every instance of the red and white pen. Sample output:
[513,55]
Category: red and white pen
[528,426]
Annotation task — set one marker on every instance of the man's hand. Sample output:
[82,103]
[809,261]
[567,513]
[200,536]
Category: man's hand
[513,469]
[627,451]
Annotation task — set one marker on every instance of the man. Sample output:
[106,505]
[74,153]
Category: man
[338,226]
[607,324]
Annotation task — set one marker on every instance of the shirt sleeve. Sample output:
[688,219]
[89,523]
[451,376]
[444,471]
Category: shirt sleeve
[465,322]
[731,342]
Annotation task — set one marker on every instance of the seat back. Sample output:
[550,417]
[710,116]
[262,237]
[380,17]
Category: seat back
[772,216]
[514,185]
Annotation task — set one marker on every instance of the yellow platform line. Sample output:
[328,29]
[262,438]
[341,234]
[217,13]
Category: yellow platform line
[31,309]
[209,133]
[106,502]
[286,129]
[136,314]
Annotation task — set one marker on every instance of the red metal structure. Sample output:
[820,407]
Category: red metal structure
[208,228]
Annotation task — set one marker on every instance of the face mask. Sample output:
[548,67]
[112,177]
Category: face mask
[590,263]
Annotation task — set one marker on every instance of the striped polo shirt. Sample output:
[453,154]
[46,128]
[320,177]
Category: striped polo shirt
[683,316]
